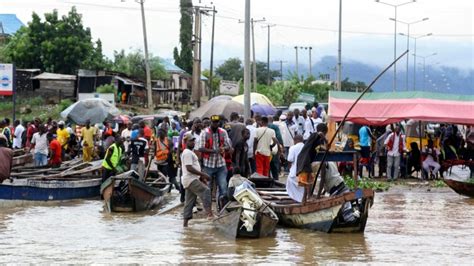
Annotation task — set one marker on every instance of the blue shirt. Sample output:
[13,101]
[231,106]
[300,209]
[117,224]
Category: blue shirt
[364,138]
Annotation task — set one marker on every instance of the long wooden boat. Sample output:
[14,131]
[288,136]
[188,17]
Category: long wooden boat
[246,218]
[127,193]
[323,214]
[21,158]
[45,184]
[463,188]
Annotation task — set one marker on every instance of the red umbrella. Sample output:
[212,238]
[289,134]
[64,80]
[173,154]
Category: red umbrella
[122,119]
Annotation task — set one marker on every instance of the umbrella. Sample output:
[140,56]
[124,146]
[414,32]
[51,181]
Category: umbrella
[122,119]
[263,109]
[95,110]
[218,107]
[221,97]
[255,98]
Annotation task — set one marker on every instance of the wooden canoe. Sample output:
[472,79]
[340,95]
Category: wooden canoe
[126,193]
[463,188]
[323,214]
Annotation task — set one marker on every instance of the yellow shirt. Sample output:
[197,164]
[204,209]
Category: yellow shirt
[63,136]
[88,135]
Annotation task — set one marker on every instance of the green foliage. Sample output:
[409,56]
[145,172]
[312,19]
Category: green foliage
[185,59]
[36,101]
[216,81]
[63,104]
[357,86]
[231,69]
[133,64]
[262,73]
[366,183]
[108,88]
[60,45]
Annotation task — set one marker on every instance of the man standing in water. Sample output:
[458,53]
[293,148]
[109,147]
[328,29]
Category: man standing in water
[194,181]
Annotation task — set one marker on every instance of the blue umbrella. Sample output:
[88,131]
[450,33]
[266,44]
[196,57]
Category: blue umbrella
[263,109]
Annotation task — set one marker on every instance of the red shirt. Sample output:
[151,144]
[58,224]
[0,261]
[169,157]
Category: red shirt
[55,147]
[147,132]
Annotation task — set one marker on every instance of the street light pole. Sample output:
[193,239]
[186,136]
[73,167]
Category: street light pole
[247,61]
[408,40]
[424,66]
[395,38]
[297,74]
[339,49]
[414,55]
[147,63]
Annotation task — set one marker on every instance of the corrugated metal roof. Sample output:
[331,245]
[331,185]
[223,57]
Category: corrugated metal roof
[10,24]
[54,76]
[128,81]
[170,66]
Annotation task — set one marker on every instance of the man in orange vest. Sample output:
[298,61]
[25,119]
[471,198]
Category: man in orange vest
[394,145]
[213,144]
[162,152]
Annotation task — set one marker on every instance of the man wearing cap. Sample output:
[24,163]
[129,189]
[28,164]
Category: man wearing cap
[214,142]
[113,155]
[62,136]
[194,181]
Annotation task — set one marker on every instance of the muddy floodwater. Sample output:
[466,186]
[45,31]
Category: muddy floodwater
[404,226]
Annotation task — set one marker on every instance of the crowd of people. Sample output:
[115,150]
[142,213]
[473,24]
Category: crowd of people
[211,150]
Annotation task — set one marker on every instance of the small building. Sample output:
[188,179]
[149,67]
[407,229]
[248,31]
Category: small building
[25,84]
[55,87]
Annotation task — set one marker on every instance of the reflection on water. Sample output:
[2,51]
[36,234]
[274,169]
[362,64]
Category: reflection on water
[403,227]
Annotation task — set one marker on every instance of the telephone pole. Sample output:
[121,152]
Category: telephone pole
[268,26]
[254,65]
[309,48]
[339,50]
[247,61]
[196,89]
[211,67]
[297,74]
[281,69]
[147,63]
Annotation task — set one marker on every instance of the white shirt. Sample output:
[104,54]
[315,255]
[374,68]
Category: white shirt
[264,136]
[17,140]
[394,151]
[41,143]
[310,126]
[300,124]
[250,141]
[188,157]
[126,134]
[295,191]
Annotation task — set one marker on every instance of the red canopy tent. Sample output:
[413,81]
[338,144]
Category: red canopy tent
[381,108]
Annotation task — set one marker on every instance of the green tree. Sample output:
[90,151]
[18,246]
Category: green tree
[262,73]
[216,81]
[133,64]
[56,44]
[184,57]
[358,86]
[231,69]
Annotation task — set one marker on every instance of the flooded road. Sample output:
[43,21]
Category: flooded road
[403,227]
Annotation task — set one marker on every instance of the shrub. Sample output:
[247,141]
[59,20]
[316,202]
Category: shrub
[64,104]
[109,88]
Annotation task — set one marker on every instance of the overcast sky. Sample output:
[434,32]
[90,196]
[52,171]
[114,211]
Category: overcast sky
[367,30]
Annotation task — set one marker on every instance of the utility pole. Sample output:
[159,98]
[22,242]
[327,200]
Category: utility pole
[297,74]
[268,26]
[254,64]
[310,64]
[147,63]
[339,50]
[281,69]
[247,61]
[211,67]
[196,89]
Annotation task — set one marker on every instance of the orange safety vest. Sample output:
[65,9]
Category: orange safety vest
[162,154]
[210,139]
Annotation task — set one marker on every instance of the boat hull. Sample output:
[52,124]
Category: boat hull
[229,223]
[139,197]
[462,188]
[49,189]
